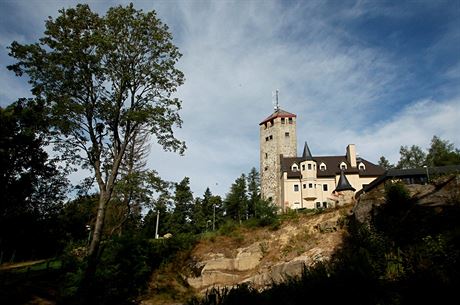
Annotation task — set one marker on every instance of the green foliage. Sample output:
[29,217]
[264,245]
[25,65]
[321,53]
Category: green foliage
[253,182]
[442,152]
[102,80]
[412,157]
[237,200]
[383,162]
[31,186]
[180,220]
[125,267]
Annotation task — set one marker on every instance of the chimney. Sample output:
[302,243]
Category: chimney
[351,154]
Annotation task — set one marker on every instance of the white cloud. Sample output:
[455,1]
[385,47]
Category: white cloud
[237,53]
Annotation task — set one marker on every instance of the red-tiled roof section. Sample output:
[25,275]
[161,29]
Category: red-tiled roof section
[278,114]
[332,166]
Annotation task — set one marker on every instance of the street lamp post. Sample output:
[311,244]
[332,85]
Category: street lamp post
[427,174]
[214,217]
[156,227]
[88,228]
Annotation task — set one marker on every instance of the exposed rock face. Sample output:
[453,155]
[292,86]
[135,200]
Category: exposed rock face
[272,256]
[443,191]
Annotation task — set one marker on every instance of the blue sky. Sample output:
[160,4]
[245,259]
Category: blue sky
[379,74]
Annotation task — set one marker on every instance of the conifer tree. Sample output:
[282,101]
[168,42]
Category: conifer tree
[236,200]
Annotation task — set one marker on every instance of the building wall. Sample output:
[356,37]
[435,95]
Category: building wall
[308,197]
[276,138]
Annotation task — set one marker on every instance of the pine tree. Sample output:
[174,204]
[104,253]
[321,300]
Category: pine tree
[181,217]
[237,200]
[253,191]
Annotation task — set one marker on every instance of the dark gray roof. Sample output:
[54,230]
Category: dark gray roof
[343,184]
[306,152]
[412,172]
[332,167]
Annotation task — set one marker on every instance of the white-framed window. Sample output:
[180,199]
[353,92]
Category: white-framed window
[343,165]
[294,167]
[361,166]
[322,167]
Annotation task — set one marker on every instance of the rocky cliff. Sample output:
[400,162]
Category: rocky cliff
[259,256]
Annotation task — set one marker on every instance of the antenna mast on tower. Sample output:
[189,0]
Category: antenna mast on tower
[276,104]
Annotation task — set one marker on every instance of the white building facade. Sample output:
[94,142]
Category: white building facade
[308,181]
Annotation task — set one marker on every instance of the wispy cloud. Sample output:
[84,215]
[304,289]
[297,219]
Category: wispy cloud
[343,85]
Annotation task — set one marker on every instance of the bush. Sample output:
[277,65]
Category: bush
[123,271]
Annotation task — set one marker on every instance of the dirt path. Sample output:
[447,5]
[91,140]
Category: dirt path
[9,266]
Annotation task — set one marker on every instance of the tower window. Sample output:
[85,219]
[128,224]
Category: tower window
[283,120]
[290,120]
[266,138]
[303,167]
[325,187]
[310,185]
[309,166]
[271,137]
[304,186]
[296,187]
[266,155]
[286,134]
[266,168]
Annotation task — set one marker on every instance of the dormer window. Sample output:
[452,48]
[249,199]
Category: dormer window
[322,167]
[343,166]
[361,166]
[294,167]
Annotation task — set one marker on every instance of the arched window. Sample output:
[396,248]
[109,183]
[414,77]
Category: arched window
[295,167]
[322,167]
[343,166]
[361,166]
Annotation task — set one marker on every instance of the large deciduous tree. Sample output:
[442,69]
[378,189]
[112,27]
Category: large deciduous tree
[442,152]
[103,78]
[413,157]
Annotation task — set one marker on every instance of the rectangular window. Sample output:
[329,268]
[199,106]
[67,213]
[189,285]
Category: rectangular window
[304,186]
[290,120]
[266,138]
[309,166]
[324,204]
[318,205]
[303,167]
[286,134]
[271,137]
[310,185]
[325,187]
[283,120]
[296,187]
[266,155]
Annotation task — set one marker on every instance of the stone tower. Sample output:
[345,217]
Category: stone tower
[277,137]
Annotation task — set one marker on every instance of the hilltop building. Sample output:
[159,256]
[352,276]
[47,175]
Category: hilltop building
[307,181]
